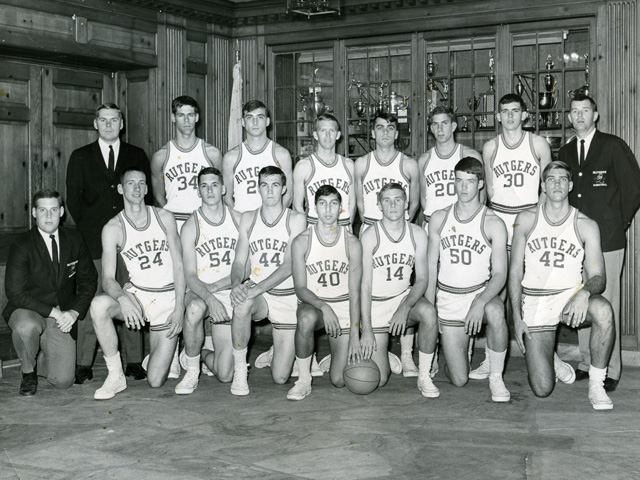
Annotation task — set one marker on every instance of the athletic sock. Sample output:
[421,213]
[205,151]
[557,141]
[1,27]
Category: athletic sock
[114,364]
[496,361]
[240,357]
[406,343]
[193,363]
[597,374]
[304,369]
[424,365]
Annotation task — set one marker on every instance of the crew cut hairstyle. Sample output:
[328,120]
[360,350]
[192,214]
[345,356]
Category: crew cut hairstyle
[47,193]
[108,106]
[210,171]
[392,186]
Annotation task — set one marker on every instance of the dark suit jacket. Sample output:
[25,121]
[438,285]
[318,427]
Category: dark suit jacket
[607,187]
[92,194]
[30,282]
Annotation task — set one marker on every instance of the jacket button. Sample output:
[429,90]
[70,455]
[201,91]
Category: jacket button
[114,207]
[579,196]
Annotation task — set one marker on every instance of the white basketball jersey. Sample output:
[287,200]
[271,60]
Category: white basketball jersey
[515,174]
[328,266]
[246,195]
[441,180]
[375,177]
[181,170]
[145,252]
[215,246]
[553,256]
[465,253]
[335,175]
[267,247]
[393,262]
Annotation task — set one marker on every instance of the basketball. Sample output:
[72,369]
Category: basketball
[362,378]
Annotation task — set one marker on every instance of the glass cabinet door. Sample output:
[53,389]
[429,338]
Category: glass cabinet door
[378,80]
[303,90]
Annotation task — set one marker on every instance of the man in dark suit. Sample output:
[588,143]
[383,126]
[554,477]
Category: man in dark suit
[93,173]
[606,188]
[50,282]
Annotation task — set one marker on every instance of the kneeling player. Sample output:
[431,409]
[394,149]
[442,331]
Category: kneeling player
[209,238]
[551,244]
[147,240]
[326,274]
[470,242]
[389,303]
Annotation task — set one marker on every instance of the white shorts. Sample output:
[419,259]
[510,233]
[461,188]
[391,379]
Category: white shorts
[543,310]
[453,307]
[382,311]
[341,309]
[509,220]
[224,297]
[156,305]
[282,310]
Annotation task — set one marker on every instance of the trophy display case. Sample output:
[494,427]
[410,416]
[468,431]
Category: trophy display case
[378,80]
[461,74]
[549,68]
[303,90]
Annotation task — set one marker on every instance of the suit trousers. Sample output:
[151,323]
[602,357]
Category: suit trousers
[39,341]
[613,262]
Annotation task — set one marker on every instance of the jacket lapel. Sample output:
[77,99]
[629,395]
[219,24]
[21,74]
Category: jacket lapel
[99,160]
[43,254]
[595,148]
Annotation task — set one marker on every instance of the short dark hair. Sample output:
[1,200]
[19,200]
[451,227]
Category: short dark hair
[132,169]
[471,165]
[325,191]
[252,105]
[389,117]
[579,97]
[326,117]
[392,186]
[269,171]
[556,165]
[440,110]
[210,171]
[108,106]
[512,98]
[184,101]
[47,193]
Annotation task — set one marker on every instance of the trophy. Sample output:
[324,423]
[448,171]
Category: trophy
[396,102]
[546,99]
[489,99]
[584,89]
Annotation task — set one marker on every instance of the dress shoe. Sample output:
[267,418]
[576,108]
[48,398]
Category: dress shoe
[581,375]
[610,384]
[83,372]
[29,384]
[136,371]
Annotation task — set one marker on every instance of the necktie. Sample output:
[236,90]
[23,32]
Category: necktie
[54,254]
[112,160]
[581,152]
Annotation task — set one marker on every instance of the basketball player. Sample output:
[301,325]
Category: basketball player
[327,272]
[147,240]
[470,243]
[325,167]
[552,244]
[393,249]
[241,165]
[513,162]
[265,242]
[175,167]
[209,239]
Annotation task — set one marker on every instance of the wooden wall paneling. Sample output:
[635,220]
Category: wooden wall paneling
[197,85]
[136,96]
[416,101]
[261,71]
[340,109]
[221,54]
[249,58]
[174,73]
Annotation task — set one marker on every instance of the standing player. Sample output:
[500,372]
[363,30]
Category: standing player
[326,274]
[175,167]
[146,238]
[209,239]
[551,245]
[241,166]
[513,162]
[325,167]
[390,303]
[265,241]
[470,243]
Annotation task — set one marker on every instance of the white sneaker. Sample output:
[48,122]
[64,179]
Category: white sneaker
[315,368]
[189,383]
[426,386]
[174,369]
[395,364]
[499,392]
[409,368]
[115,383]
[264,359]
[240,385]
[325,364]
[482,371]
[598,396]
[564,372]
[299,391]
